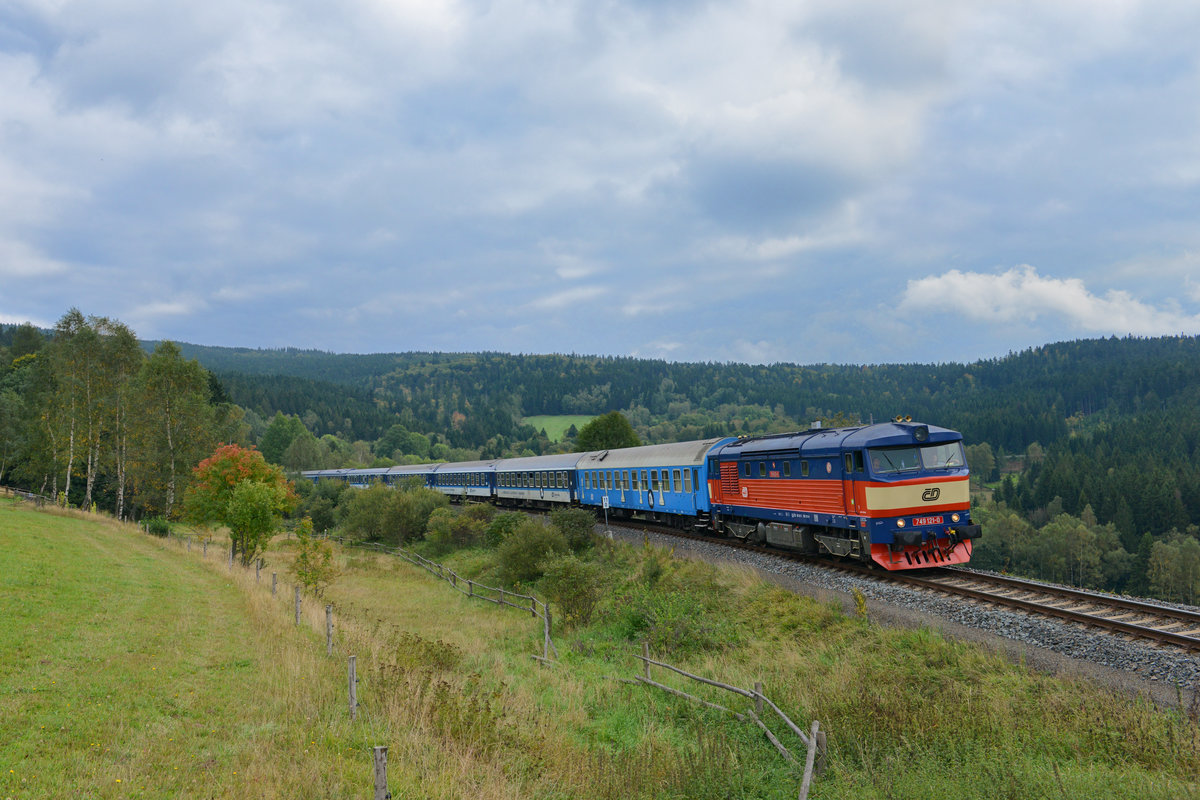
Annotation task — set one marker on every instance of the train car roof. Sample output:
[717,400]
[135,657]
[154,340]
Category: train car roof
[554,461]
[454,467]
[411,469]
[677,454]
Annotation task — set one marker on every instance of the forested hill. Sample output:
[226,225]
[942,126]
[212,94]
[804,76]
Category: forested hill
[1039,395]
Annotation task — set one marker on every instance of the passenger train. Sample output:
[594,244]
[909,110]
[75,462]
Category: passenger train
[895,494]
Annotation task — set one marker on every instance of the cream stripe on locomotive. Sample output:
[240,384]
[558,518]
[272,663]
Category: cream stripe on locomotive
[917,495]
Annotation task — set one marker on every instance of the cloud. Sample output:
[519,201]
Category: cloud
[566,299]
[1021,295]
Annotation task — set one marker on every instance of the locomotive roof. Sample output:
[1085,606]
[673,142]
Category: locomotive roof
[884,434]
[677,454]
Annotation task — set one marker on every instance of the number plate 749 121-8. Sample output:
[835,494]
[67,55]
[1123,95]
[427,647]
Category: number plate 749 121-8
[927,520]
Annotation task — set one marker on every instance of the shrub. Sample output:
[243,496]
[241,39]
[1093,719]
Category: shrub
[448,531]
[524,550]
[575,585]
[392,516]
[501,526]
[313,566]
[576,525]
[158,526]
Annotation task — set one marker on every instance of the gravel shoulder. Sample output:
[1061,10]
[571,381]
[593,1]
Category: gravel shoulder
[1162,675]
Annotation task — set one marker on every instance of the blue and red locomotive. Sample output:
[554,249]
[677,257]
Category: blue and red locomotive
[896,493]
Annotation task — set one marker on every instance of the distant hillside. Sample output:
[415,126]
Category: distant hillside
[1008,402]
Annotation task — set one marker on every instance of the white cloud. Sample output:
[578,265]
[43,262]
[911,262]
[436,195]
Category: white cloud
[1021,295]
[561,301]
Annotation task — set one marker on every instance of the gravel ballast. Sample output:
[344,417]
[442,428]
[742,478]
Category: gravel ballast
[1164,674]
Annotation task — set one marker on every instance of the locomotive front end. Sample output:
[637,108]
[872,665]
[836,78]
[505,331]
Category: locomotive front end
[917,498]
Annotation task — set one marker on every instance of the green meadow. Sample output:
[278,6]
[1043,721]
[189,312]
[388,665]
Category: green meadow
[557,426]
[133,667]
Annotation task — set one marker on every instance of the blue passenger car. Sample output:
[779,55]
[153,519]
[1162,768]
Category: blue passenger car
[475,479]
[661,481]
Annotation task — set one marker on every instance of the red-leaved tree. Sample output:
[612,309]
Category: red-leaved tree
[236,487]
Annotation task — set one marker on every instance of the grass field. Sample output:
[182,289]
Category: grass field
[130,667]
[556,426]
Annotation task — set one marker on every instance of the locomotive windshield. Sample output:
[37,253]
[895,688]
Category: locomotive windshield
[889,460]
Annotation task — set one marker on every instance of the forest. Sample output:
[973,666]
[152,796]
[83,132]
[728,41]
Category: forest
[1099,434]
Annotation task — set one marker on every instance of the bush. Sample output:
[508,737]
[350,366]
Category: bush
[481,512]
[576,525]
[412,511]
[501,526]
[525,549]
[448,531]
[574,585]
[313,566]
[392,516]
[158,526]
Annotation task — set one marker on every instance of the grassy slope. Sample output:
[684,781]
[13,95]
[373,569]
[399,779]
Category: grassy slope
[123,658]
[556,426]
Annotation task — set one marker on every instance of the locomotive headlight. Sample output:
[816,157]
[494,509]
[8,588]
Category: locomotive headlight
[899,523]
[954,517]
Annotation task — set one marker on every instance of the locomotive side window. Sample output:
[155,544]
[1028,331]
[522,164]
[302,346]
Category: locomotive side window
[848,462]
[787,469]
[746,470]
[803,469]
[858,461]
[762,469]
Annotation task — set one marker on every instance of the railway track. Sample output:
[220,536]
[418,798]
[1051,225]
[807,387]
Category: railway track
[1121,616]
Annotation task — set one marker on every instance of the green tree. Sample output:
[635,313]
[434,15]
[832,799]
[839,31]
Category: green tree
[252,517]
[173,425]
[279,435]
[313,566]
[607,432]
[982,462]
[236,487]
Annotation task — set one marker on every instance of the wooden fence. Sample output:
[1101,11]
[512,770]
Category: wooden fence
[814,740]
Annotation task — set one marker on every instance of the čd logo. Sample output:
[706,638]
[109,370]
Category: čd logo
[931,494]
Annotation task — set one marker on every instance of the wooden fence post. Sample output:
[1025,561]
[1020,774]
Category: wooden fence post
[646,658]
[758,704]
[257,570]
[297,605]
[546,643]
[808,762]
[231,555]
[205,553]
[274,579]
[353,688]
[470,588]
[329,629]
[381,790]
[189,544]
[821,752]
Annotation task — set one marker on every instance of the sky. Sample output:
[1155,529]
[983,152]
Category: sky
[758,181]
